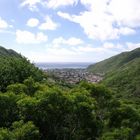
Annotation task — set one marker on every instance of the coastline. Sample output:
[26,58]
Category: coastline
[63,65]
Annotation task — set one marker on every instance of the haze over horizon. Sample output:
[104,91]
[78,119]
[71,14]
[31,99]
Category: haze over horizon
[69,30]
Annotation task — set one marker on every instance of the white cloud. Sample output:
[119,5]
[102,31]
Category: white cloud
[108,45]
[132,46]
[65,15]
[97,28]
[84,53]
[126,31]
[58,3]
[32,22]
[71,41]
[32,4]
[107,19]
[26,37]
[53,54]
[7,32]
[40,37]
[3,24]
[128,46]
[48,25]
[111,46]
[81,53]
[126,12]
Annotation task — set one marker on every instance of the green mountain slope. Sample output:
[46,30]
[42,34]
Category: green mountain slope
[125,80]
[114,62]
[122,73]
[15,68]
[8,52]
[32,109]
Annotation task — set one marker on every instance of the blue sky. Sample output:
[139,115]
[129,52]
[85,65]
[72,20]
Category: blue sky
[69,30]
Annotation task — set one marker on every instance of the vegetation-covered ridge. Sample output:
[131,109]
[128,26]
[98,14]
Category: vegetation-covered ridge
[15,68]
[38,109]
[122,73]
[8,52]
[115,62]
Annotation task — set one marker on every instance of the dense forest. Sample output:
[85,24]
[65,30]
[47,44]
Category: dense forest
[34,108]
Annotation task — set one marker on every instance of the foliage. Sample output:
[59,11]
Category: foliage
[8,109]
[125,80]
[8,52]
[16,69]
[115,62]
[25,131]
[118,134]
[86,111]
[5,134]
[122,73]
[61,116]
[31,109]
[20,131]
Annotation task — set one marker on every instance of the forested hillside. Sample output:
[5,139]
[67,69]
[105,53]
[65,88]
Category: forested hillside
[5,52]
[121,73]
[15,68]
[125,80]
[114,62]
[34,108]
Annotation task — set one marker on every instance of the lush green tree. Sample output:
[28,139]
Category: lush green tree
[25,131]
[54,111]
[118,134]
[62,115]
[138,137]
[17,88]
[15,69]
[5,134]
[20,131]
[31,86]
[125,115]
[8,109]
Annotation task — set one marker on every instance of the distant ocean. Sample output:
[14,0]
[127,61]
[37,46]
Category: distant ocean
[63,65]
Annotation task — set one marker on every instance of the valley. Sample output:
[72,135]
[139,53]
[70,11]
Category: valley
[98,103]
[73,76]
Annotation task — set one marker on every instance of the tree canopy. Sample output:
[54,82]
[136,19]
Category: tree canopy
[33,108]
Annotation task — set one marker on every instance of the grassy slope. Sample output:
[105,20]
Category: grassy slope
[114,62]
[122,73]
[125,80]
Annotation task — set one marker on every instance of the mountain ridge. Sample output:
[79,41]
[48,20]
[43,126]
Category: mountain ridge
[121,72]
[15,68]
[114,62]
[8,52]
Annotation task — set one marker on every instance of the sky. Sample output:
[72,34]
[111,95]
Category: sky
[69,30]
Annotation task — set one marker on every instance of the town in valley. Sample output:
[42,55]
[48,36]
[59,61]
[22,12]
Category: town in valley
[73,76]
